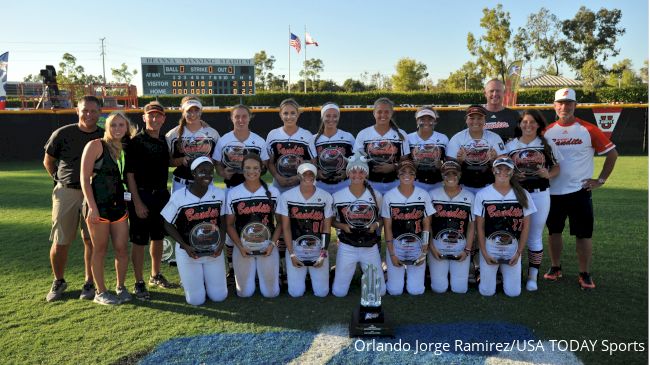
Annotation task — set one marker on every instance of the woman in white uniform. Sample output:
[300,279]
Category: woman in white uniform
[427,149]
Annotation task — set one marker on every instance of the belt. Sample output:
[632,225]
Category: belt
[182,181]
[539,190]
[76,186]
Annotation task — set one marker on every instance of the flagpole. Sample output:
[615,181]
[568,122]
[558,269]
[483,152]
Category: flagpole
[305,64]
[289,78]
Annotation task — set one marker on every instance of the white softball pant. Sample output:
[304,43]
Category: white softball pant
[542,201]
[205,275]
[347,257]
[320,278]
[458,274]
[266,267]
[414,278]
[511,276]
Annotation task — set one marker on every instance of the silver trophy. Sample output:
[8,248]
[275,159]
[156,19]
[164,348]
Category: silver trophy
[197,146]
[370,286]
[450,243]
[477,152]
[233,156]
[381,151]
[256,237]
[331,161]
[287,165]
[427,155]
[528,161]
[359,215]
[408,248]
[307,249]
[502,246]
[205,238]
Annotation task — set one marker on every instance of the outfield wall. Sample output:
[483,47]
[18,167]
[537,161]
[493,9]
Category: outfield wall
[24,133]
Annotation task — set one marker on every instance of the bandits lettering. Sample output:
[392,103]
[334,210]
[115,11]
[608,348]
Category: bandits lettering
[295,150]
[190,214]
[567,141]
[458,213]
[314,215]
[243,209]
[493,211]
[397,214]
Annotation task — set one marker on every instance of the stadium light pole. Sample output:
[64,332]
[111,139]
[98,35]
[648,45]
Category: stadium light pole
[103,62]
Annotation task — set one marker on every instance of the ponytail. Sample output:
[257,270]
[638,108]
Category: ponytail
[372,192]
[520,193]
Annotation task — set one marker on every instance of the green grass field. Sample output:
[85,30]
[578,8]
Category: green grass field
[80,332]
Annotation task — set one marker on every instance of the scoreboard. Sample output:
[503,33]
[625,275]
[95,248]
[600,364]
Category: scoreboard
[198,76]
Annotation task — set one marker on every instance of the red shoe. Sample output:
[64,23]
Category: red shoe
[585,281]
[554,273]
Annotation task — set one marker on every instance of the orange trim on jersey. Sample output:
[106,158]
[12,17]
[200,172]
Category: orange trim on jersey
[599,141]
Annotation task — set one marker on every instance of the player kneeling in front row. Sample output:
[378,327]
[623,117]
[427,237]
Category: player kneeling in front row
[193,217]
[502,211]
[306,213]
[407,214]
[452,231]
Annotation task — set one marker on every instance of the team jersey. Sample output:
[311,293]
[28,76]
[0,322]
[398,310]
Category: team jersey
[343,199]
[252,207]
[530,155]
[451,213]
[306,216]
[426,151]
[191,144]
[187,211]
[386,148]
[502,122]
[342,142]
[502,213]
[230,151]
[577,143]
[480,174]
[280,144]
[406,213]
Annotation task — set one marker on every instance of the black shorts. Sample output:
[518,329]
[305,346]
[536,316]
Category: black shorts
[578,207]
[141,231]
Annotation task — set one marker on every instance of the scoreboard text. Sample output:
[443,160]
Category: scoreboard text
[198,76]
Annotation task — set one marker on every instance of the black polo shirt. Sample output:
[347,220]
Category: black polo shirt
[148,159]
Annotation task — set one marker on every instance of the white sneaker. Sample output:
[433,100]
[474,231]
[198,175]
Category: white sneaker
[531,285]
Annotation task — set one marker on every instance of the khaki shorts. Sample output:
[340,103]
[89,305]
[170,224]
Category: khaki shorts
[66,215]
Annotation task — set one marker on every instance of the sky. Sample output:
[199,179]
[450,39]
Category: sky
[353,36]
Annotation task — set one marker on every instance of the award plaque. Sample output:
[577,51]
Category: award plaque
[232,156]
[450,243]
[256,237]
[381,151]
[427,155]
[287,165]
[528,161]
[502,246]
[197,146]
[359,215]
[205,238]
[477,152]
[168,249]
[369,319]
[331,161]
[307,249]
[408,248]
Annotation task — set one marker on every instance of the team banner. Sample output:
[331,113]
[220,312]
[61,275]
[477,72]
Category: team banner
[4,60]
[606,119]
[513,77]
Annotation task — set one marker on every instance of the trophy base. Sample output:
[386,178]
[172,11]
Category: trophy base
[370,322]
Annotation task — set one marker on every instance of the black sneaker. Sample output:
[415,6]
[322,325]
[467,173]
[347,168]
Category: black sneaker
[161,282]
[87,291]
[56,291]
[140,291]
[585,281]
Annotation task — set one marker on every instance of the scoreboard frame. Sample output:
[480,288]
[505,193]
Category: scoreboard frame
[197,76]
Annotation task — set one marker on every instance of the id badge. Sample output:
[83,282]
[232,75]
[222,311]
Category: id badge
[127,196]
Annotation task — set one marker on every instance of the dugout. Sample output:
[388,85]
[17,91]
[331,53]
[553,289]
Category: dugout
[24,133]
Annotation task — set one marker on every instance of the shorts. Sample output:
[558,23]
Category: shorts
[141,231]
[109,213]
[66,215]
[578,206]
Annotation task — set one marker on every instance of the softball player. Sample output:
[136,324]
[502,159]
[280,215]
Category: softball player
[503,206]
[406,209]
[427,149]
[537,161]
[385,144]
[190,139]
[356,246]
[253,201]
[453,206]
[329,139]
[306,210]
[234,145]
[200,202]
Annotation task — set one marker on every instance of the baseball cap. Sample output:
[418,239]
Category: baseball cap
[503,161]
[154,107]
[449,166]
[306,166]
[198,161]
[475,109]
[565,94]
[424,112]
[406,164]
[191,103]
[357,161]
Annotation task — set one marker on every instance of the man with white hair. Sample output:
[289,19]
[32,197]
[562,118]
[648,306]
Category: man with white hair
[499,119]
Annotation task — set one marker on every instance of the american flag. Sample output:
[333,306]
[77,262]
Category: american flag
[294,42]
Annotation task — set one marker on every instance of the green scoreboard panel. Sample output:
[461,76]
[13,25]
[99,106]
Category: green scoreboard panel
[198,76]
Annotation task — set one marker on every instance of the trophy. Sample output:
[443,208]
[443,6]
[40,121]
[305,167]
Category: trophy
[287,165]
[205,238]
[427,155]
[332,161]
[450,243]
[359,215]
[528,161]
[256,237]
[477,153]
[381,151]
[408,248]
[197,146]
[232,156]
[168,250]
[502,246]
[307,249]
[369,319]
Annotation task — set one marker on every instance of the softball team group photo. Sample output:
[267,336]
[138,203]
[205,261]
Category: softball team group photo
[446,212]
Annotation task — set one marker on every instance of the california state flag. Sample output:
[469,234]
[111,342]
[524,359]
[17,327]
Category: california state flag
[606,119]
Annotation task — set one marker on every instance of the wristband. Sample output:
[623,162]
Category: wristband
[325,240]
[292,255]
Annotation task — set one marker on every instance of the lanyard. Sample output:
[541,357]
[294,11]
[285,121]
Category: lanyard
[120,166]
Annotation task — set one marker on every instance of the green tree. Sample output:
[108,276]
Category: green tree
[591,36]
[312,69]
[122,75]
[351,86]
[592,75]
[540,39]
[644,72]
[71,73]
[263,67]
[327,85]
[491,49]
[408,74]
[468,77]
[622,75]
[33,78]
